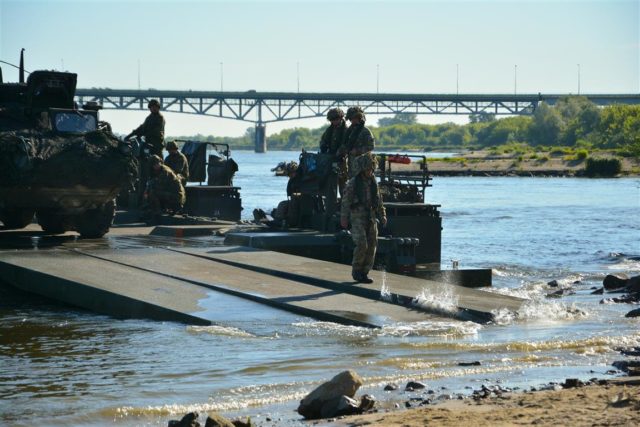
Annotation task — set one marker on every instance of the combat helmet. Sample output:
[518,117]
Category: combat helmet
[153,102]
[364,162]
[291,167]
[355,113]
[171,145]
[335,113]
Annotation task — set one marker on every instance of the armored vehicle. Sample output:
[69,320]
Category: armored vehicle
[57,162]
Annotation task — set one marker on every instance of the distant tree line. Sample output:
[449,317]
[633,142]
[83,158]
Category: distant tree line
[573,121]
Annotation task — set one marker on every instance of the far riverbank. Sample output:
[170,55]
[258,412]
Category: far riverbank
[484,163]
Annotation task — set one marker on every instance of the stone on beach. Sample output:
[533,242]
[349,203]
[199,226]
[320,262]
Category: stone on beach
[414,385]
[189,420]
[615,281]
[345,383]
[633,284]
[633,313]
[216,420]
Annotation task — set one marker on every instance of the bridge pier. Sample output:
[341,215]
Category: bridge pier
[261,138]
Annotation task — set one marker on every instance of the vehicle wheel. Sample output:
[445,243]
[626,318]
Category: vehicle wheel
[95,223]
[16,217]
[51,222]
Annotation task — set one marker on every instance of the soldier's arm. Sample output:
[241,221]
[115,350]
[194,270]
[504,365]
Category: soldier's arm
[347,201]
[381,212]
[366,140]
[324,143]
[173,182]
[185,169]
[139,131]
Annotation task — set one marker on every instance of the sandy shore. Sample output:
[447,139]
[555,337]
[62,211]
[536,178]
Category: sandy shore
[615,403]
[482,163]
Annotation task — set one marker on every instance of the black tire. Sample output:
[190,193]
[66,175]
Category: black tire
[95,223]
[16,218]
[52,222]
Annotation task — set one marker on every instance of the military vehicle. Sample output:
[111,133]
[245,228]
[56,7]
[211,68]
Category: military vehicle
[57,162]
[211,162]
[403,180]
[210,192]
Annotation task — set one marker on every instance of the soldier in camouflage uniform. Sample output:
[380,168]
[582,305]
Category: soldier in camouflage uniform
[152,129]
[164,190]
[177,162]
[362,204]
[332,144]
[358,139]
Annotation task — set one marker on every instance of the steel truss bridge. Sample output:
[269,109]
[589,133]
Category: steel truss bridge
[267,107]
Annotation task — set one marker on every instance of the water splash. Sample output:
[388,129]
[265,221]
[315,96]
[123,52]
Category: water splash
[431,329]
[440,300]
[436,328]
[220,330]
[312,328]
[602,343]
[539,310]
[385,293]
[220,405]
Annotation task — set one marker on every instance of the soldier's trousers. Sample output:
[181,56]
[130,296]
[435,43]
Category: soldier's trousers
[364,232]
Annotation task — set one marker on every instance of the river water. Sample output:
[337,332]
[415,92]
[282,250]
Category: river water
[60,366]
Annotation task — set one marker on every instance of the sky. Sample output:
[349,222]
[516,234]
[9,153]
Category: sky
[329,46]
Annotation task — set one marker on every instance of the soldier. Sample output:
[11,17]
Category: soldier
[332,143]
[358,139]
[177,162]
[164,190]
[362,204]
[152,129]
[333,137]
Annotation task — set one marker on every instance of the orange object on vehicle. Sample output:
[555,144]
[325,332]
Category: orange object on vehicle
[399,159]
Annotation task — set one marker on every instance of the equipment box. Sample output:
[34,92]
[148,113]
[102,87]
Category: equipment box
[418,220]
[222,202]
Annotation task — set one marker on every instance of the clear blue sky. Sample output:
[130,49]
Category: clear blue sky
[337,45]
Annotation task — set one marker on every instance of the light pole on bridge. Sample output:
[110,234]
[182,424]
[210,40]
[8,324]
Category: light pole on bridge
[377,78]
[221,77]
[515,79]
[457,79]
[578,79]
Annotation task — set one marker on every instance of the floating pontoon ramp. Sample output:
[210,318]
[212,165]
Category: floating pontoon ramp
[163,284]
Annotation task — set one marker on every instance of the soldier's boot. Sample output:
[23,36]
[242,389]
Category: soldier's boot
[365,279]
[356,275]
[361,277]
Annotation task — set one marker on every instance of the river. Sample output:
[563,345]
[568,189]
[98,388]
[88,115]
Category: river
[60,366]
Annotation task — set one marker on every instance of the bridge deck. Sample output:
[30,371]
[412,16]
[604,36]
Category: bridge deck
[435,297]
[164,285]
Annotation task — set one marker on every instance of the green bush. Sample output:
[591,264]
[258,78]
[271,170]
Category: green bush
[602,167]
[560,151]
[582,154]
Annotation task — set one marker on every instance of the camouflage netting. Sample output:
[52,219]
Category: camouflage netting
[32,158]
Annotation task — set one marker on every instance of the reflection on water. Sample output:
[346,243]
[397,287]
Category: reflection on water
[79,368]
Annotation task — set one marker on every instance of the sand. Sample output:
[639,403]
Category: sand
[482,163]
[615,403]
